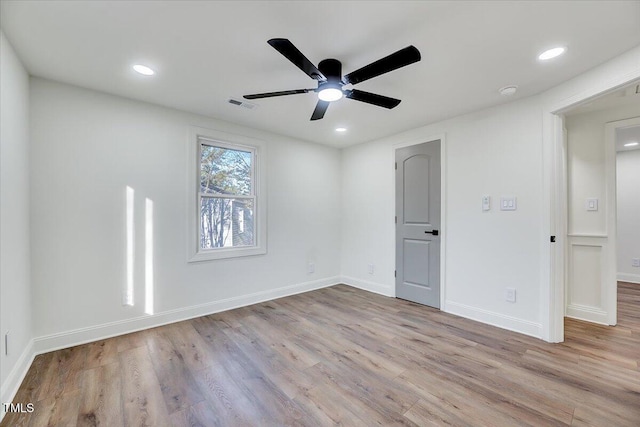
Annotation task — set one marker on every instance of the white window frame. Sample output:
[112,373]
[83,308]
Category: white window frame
[258,149]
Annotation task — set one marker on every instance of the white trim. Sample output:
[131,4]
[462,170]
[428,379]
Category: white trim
[630,278]
[587,313]
[16,376]
[549,226]
[259,187]
[594,91]
[443,207]
[500,320]
[224,253]
[376,288]
[80,336]
[443,222]
[610,282]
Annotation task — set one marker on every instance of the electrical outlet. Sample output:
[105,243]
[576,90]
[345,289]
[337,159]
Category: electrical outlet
[370,268]
[311,268]
[635,262]
[510,294]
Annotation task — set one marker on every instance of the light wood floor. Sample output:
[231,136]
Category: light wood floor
[342,356]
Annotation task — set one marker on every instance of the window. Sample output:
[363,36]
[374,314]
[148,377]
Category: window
[229,207]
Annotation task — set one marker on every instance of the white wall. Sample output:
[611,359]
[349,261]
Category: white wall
[586,166]
[15,293]
[87,147]
[628,193]
[494,152]
[588,234]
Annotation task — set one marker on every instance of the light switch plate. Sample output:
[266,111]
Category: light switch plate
[486,203]
[508,203]
[591,204]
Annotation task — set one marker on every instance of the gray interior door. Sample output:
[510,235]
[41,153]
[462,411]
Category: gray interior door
[418,223]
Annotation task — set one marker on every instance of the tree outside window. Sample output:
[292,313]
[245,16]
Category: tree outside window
[227,196]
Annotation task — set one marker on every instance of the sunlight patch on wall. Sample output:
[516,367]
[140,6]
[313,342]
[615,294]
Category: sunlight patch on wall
[148,257]
[130,235]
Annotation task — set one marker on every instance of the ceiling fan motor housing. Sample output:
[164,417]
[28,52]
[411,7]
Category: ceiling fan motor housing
[332,70]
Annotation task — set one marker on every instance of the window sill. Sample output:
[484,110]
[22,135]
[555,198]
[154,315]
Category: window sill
[214,254]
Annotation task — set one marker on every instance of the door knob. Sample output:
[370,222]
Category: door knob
[434,232]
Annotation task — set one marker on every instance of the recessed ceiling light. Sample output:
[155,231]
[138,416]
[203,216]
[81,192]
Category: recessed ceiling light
[341,129]
[629,144]
[551,53]
[144,70]
[508,90]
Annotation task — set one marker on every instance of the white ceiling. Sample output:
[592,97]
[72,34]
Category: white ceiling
[206,52]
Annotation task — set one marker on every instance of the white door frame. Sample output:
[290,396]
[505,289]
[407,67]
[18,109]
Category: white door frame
[612,212]
[553,259]
[443,205]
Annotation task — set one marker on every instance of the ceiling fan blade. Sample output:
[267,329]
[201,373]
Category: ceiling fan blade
[289,51]
[396,60]
[281,93]
[372,98]
[321,108]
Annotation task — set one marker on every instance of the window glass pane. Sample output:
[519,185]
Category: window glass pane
[225,171]
[226,223]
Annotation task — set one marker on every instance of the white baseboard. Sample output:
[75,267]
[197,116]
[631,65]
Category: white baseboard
[631,278]
[590,314]
[378,288]
[75,337]
[496,319]
[16,376]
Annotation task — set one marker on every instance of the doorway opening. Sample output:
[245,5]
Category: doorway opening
[588,260]
[627,141]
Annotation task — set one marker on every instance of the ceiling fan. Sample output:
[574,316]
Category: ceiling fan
[330,79]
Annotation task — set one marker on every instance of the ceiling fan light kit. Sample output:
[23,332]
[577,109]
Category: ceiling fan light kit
[330,94]
[331,83]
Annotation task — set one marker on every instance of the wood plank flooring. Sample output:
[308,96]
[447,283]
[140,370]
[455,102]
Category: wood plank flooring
[342,356]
